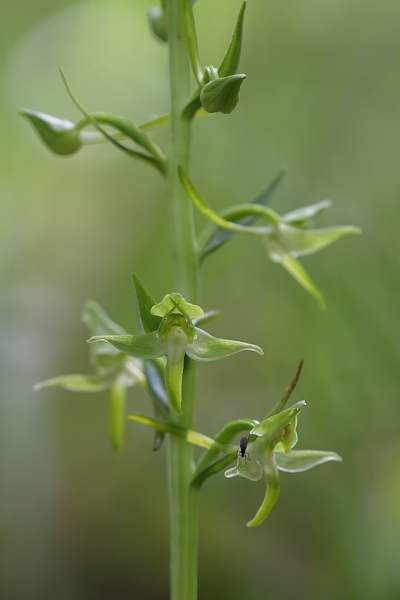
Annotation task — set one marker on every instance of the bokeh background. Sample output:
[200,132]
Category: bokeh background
[322,97]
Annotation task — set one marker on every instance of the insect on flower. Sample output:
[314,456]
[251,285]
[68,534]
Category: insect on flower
[242,451]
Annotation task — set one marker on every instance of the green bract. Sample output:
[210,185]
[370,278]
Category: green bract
[114,372]
[174,335]
[286,237]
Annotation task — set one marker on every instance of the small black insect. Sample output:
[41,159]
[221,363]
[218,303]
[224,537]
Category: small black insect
[242,452]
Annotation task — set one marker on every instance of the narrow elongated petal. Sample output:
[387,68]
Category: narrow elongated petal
[177,343]
[117,400]
[79,383]
[206,347]
[302,460]
[140,346]
[301,216]
[271,494]
[302,242]
[268,429]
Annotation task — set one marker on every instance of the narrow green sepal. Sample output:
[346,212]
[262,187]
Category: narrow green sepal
[150,322]
[222,94]
[231,59]
[79,383]
[280,405]
[271,494]
[140,346]
[59,135]
[206,347]
[302,460]
[117,401]
[158,22]
[191,38]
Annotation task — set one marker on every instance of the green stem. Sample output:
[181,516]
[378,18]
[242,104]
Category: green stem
[183,511]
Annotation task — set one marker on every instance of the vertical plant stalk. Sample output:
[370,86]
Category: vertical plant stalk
[183,511]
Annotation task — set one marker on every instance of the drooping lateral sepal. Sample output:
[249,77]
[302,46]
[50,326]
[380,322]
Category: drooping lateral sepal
[77,382]
[59,135]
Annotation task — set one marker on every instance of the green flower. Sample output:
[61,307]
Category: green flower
[171,331]
[286,237]
[269,450]
[114,371]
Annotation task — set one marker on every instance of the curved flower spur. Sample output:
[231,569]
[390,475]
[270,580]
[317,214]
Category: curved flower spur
[170,331]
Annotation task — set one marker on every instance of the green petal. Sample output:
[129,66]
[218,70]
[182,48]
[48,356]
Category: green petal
[149,321]
[302,242]
[139,346]
[222,94]
[230,62]
[302,460]
[271,494]
[117,400]
[59,135]
[176,343]
[300,216]
[206,347]
[268,429]
[225,436]
[79,383]
[176,304]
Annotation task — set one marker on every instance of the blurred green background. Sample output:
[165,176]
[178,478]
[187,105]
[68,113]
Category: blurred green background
[323,97]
